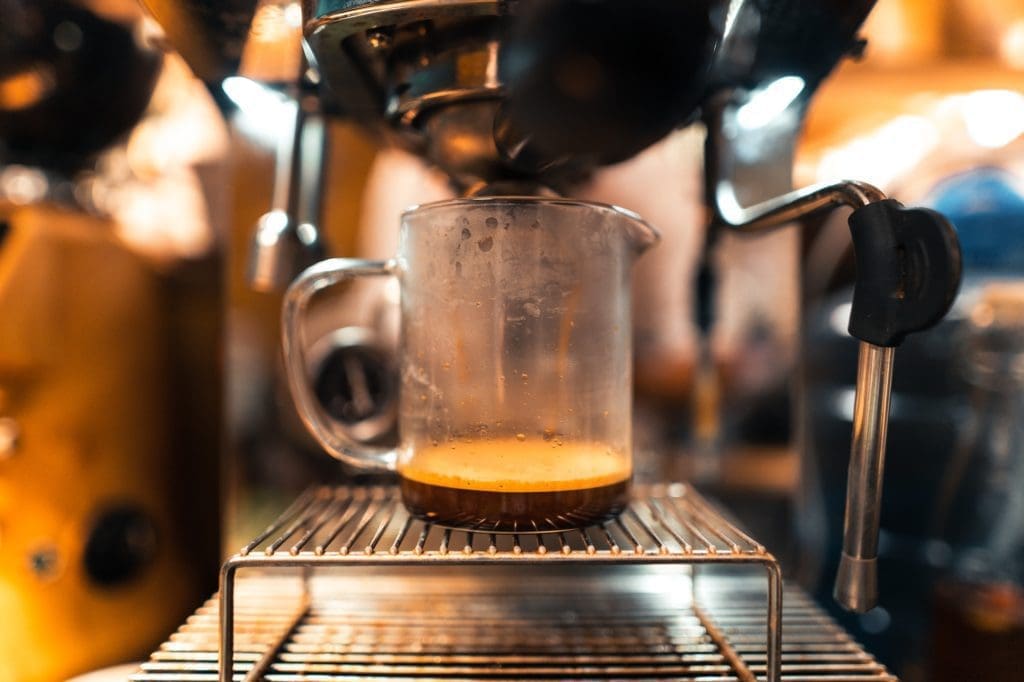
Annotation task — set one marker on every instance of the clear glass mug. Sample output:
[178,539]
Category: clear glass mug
[515,361]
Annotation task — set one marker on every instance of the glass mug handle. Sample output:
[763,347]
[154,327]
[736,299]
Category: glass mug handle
[332,434]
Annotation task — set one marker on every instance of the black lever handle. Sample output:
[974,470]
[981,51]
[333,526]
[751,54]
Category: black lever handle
[908,271]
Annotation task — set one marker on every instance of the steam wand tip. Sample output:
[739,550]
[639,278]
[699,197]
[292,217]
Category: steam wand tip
[856,586]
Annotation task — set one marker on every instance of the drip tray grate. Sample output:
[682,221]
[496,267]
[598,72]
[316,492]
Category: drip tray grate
[568,624]
[370,524]
[506,621]
[352,527]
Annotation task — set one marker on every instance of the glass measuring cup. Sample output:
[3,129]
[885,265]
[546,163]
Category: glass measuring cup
[515,361]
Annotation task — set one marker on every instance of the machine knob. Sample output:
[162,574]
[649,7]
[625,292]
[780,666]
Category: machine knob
[908,271]
[123,541]
[356,383]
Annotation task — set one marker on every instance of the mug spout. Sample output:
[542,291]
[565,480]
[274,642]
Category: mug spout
[641,233]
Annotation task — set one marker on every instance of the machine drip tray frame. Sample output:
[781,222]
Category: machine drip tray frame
[468,623]
[348,526]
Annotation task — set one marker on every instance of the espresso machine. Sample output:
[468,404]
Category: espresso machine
[530,99]
[94,488]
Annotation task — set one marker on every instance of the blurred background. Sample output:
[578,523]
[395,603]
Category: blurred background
[146,431]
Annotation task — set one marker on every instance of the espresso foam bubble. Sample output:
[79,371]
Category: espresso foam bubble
[517,466]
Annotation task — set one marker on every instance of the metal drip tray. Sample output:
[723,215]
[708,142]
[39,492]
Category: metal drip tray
[629,622]
[669,589]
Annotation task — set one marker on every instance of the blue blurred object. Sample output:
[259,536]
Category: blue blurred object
[987,206]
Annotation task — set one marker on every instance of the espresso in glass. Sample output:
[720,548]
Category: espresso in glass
[515,361]
[516,484]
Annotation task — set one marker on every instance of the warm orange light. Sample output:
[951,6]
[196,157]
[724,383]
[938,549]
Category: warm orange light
[273,51]
[1011,45]
[25,88]
[904,31]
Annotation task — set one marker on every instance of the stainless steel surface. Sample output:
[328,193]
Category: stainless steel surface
[605,624]
[857,581]
[437,99]
[353,526]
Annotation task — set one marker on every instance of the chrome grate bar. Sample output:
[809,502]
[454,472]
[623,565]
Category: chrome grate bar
[667,521]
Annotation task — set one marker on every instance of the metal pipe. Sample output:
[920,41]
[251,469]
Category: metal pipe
[226,653]
[774,622]
[782,210]
[311,169]
[856,585]
[287,238]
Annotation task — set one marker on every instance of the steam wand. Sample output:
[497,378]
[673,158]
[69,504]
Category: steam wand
[908,273]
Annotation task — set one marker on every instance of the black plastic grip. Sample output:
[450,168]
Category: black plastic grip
[908,271]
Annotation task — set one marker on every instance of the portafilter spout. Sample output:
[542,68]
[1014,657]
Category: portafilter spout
[908,273]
